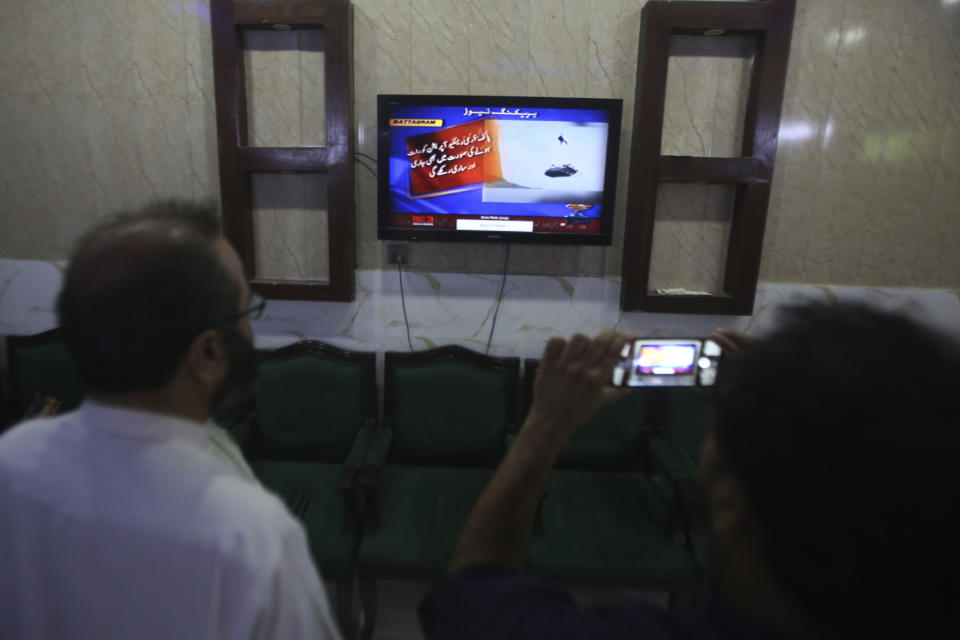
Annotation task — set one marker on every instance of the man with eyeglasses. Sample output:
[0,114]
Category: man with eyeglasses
[135,516]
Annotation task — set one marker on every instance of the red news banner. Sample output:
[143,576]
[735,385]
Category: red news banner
[454,159]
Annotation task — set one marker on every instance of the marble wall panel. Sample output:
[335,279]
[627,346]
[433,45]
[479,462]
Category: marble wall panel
[612,48]
[158,138]
[881,189]
[99,117]
[107,105]
[910,161]
[440,57]
[291,227]
[707,84]
[383,45]
[868,40]
[284,84]
[805,133]
[735,65]
[690,236]
[382,52]
[559,53]
[614,42]
[370,251]
[201,111]
[499,35]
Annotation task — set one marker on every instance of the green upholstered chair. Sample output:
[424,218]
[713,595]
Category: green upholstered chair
[39,366]
[316,409]
[238,422]
[447,412]
[685,415]
[605,518]
[615,439]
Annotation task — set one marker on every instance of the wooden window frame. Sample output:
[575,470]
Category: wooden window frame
[229,19]
[772,25]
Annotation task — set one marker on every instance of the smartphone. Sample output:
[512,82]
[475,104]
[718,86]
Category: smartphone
[673,362]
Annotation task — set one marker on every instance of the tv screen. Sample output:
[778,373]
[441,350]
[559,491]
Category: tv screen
[481,168]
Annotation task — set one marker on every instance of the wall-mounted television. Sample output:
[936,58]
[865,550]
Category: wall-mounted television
[494,168]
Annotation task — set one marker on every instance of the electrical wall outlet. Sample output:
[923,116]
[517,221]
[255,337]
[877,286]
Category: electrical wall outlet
[398,254]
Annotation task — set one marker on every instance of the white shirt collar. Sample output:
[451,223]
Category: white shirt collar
[149,426]
[141,424]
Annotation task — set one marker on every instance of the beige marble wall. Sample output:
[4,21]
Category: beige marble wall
[690,236]
[290,226]
[705,105]
[104,106]
[108,104]
[284,84]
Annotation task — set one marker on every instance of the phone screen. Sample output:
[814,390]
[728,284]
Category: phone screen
[669,362]
[666,359]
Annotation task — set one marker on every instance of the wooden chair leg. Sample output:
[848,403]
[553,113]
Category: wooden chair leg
[346,615]
[368,605]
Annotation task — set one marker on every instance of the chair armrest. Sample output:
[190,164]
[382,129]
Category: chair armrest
[678,498]
[379,446]
[367,478]
[346,488]
[361,445]
[670,459]
[348,478]
[350,472]
[680,512]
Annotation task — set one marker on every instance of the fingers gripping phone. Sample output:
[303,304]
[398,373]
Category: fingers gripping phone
[675,362]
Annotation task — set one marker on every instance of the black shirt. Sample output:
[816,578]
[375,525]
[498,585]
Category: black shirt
[488,603]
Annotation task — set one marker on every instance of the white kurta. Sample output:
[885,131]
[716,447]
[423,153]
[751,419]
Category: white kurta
[126,524]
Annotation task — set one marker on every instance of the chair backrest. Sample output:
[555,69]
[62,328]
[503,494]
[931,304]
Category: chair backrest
[312,399]
[41,365]
[612,440]
[449,406]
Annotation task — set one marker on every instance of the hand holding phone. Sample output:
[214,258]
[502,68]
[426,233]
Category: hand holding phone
[675,362]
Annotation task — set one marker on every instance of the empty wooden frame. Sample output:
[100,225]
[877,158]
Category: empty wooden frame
[771,23]
[238,161]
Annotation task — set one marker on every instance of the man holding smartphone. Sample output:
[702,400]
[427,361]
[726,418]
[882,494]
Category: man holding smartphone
[828,489]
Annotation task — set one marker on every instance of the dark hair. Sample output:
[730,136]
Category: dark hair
[138,289]
[842,428]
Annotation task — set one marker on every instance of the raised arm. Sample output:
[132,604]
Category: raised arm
[571,387]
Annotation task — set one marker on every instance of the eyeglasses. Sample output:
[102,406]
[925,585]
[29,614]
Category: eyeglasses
[254,310]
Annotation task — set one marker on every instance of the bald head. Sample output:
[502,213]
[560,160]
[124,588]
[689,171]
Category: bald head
[138,288]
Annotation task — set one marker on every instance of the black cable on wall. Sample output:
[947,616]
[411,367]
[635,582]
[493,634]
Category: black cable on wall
[503,281]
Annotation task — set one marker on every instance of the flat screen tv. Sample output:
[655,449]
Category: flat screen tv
[503,169]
